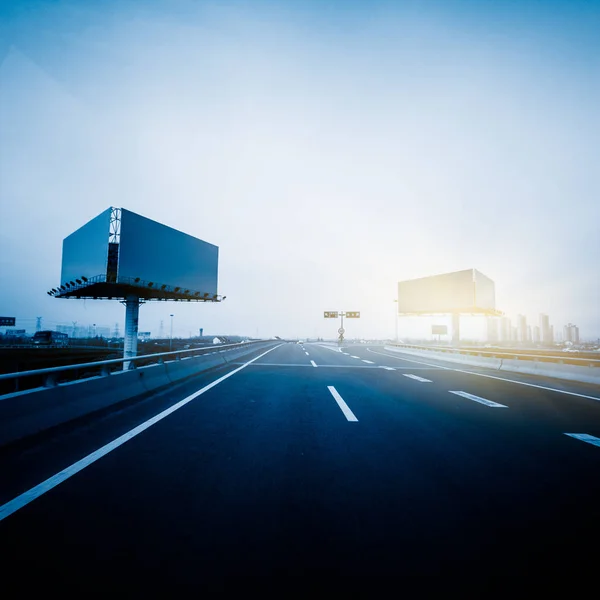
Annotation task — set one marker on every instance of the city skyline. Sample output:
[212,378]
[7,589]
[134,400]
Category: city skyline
[489,329]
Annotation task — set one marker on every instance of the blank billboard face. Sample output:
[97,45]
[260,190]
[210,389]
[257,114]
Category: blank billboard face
[160,254]
[85,251]
[461,291]
[485,291]
[440,293]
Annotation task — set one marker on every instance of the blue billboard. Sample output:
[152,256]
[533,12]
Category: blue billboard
[165,256]
[85,251]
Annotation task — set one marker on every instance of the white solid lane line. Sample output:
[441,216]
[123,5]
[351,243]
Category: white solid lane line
[541,387]
[417,378]
[585,437]
[480,400]
[35,492]
[368,361]
[345,409]
[313,363]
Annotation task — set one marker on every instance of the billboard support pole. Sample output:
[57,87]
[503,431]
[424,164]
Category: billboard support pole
[132,311]
[455,329]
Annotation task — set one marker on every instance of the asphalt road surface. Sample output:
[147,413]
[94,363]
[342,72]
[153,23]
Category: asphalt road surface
[307,460]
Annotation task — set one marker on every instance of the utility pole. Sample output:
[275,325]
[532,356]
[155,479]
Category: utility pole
[171,338]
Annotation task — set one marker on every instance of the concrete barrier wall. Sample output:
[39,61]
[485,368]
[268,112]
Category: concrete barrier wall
[31,412]
[586,374]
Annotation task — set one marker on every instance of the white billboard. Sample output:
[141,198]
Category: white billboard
[460,291]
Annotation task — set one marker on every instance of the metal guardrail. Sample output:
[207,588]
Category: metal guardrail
[50,372]
[592,362]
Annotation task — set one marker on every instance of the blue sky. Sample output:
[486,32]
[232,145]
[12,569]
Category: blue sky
[330,149]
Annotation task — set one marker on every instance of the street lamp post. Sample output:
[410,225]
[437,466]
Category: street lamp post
[171,338]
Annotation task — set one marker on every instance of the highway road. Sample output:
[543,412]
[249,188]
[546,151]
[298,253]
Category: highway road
[308,460]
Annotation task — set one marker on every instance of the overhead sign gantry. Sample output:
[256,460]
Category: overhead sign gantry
[335,314]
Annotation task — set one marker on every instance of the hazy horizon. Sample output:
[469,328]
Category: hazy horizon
[329,152]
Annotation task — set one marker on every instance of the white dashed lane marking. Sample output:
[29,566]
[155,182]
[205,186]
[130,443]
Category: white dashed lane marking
[480,400]
[417,378]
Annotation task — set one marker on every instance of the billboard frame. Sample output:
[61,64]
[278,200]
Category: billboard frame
[110,285]
[134,291]
[463,310]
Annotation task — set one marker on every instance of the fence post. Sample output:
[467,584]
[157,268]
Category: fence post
[50,380]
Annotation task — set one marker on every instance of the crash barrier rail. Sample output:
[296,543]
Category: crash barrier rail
[586,370]
[30,412]
[48,377]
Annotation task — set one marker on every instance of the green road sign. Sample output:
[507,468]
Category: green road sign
[353,315]
[331,315]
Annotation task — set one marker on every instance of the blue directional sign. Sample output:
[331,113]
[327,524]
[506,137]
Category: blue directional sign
[7,321]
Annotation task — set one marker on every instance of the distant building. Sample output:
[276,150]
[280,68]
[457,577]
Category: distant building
[536,334]
[571,333]
[492,329]
[522,328]
[505,329]
[546,332]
